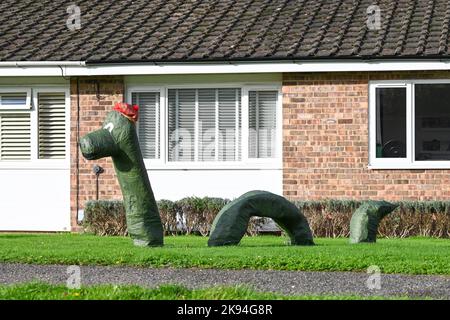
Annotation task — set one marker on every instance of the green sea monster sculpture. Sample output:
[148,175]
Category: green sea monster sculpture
[118,139]
[231,223]
[365,220]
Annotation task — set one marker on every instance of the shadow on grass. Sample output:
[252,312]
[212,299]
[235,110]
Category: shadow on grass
[21,236]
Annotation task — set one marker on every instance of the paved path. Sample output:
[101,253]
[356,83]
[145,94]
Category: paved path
[285,282]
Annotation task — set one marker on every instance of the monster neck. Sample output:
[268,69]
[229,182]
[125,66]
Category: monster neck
[139,201]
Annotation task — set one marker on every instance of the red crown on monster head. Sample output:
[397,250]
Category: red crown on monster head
[128,110]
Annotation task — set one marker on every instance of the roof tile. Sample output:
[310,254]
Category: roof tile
[173,30]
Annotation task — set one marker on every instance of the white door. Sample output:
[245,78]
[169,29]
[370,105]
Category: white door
[34,159]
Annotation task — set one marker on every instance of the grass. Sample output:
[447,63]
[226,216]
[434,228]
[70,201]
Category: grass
[407,256]
[43,291]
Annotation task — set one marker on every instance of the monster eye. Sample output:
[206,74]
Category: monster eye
[109,126]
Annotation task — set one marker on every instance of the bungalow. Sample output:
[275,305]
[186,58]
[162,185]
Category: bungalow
[311,99]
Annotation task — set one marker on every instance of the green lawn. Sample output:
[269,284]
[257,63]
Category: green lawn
[410,256]
[43,291]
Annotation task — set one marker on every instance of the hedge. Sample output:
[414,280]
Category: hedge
[331,218]
[105,218]
[190,215]
[327,218]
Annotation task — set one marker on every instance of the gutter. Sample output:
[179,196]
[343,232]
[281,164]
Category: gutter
[116,68]
[42,64]
[261,60]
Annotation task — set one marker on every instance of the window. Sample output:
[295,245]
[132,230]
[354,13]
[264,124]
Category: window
[148,123]
[262,123]
[15,99]
[230,126]
[432,122]
[410,124]
[204,124]
[38,131]
[391,122]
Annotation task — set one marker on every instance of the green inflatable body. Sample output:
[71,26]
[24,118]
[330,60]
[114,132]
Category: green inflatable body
[118,140]
[232,221]
[365,220]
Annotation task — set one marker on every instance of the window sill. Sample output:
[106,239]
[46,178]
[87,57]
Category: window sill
[427,166]
[269,165]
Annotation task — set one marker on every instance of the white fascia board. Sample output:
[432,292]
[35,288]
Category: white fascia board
[82,69]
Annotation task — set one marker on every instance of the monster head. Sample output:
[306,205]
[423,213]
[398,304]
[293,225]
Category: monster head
[116,134]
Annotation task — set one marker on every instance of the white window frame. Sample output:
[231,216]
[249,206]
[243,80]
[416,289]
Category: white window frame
[34,162]
[279,124]
[27,105]
[162,115]
[400,163]
[245,163]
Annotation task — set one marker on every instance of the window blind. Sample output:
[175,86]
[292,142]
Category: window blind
[262,123]
[204,124]
[148,123]
[52,125]
[207,132]
[182,118]
[15,136]
[229,106]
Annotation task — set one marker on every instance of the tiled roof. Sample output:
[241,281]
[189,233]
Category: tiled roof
[189,30]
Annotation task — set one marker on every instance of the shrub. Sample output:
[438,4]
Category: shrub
[168,211]
[198,213]
[105,218]
[427,218]
[213,206]
[187,216]
[255,224]
[331,218]
[108,217]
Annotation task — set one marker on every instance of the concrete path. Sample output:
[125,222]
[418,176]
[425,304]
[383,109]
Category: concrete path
[285,282]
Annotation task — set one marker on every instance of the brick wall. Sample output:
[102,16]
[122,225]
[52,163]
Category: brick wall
[97,97]
[326,142]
